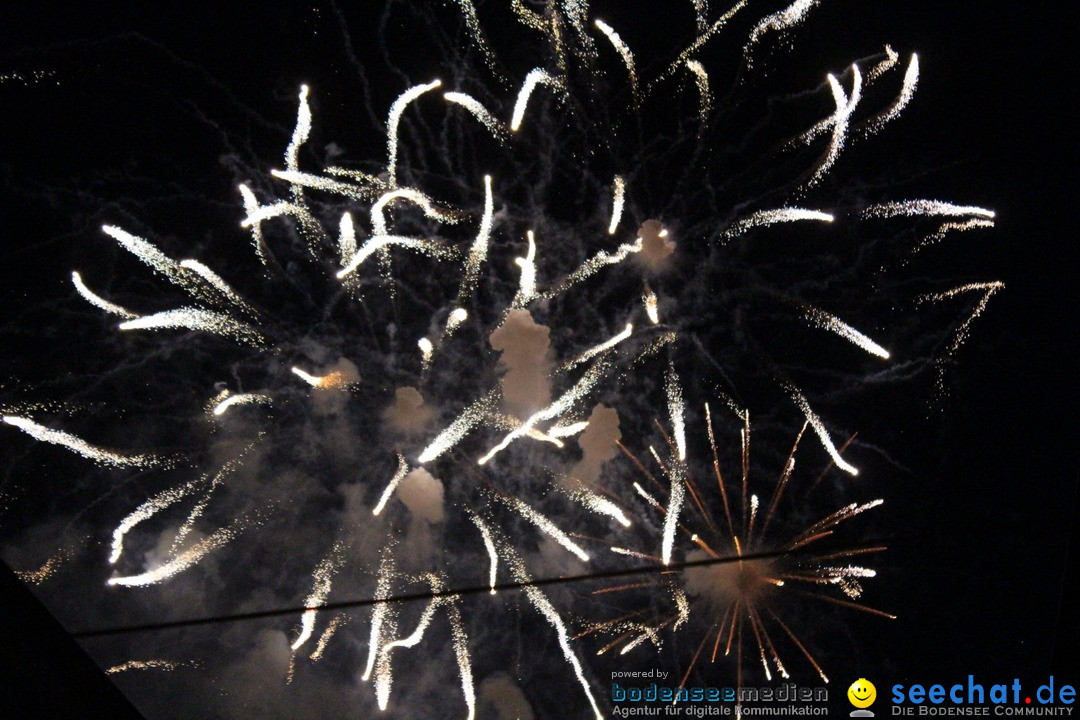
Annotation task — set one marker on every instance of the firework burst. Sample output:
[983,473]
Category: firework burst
[423,351]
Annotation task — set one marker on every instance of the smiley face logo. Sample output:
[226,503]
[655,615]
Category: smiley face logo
[862,693]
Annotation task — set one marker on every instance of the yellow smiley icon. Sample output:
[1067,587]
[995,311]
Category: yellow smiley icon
[862,693]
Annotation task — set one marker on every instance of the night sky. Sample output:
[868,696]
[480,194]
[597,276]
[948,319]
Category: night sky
[113,113]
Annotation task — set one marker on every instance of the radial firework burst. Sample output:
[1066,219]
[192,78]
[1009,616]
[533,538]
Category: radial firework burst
[414,377]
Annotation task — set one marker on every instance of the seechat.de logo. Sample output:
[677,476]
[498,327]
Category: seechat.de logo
[862,694]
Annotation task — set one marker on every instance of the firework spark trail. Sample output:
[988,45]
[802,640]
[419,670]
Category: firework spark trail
[489,545]
[778,22]
[369,190]
[702,79]
[422,201]
[600,505]
[772,217]
[478,111]
[215,281]
[301,132]
[148,254]
[192,318]
[384,680]
[545,525]
[821,432]
[534,78]
[147,510]
[907,92]
[183,561]
[97,301]
[626,55]
[382,614]
[394,119]
[527,285]
[331,628]
[399,475]
[556,409]
[988,290]
[146,665]
[80,446]
[323,578]
[221,407]
[601,348]
[834,324]
[459,428]
[472,22]
[618,200]
[839,122]
[925,207]
[699,42]
[545,608]
[677,471]
[378,243]
[947,227]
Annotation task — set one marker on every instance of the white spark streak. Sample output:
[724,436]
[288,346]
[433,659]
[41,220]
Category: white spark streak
[545,525]
[147,253]
[78,445]
[925,207]
[534,77]
[461,651]
[699,42]
[346,238]
[834,324]
[399,475]
[394,118]
[600,505]
[144,665]
[216,282]
[907,91]
[947,227]
[493,556]
[626,55]
[822,433]
[602,347]
[427,350]
[300,132]
[190,318]
[705,95]
[676,409]
[318,182]
[251,208]
[98,301]
[459,428]
[651,308]
[381,613]
[332,627]
[677,474]
[147,510]
[527,288]
[378,242]
[561,431]
[598,261]
[544,606]
[552,411]
[454,320]
[480,112]
[988,289]
[378,209]
[617,203]
[323,578]
[181,562]
[779,21]
[839,121]
[891,57]
[772,217]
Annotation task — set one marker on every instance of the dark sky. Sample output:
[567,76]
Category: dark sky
[115,113]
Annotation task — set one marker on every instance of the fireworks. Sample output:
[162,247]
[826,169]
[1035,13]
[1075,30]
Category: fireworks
[427,369]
